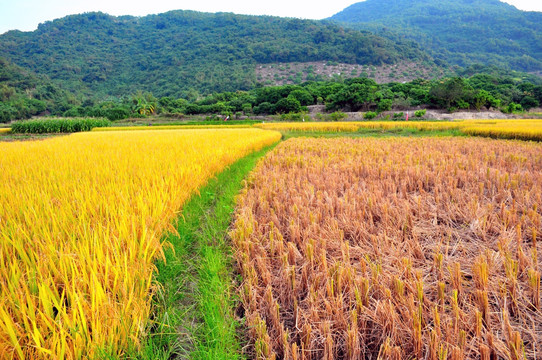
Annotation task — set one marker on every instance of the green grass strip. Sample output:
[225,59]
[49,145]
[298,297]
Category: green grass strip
[194,308]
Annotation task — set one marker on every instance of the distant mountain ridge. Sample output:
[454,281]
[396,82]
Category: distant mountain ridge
[461,32]
[177,52]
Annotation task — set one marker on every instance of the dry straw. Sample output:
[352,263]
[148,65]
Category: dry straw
[394,249]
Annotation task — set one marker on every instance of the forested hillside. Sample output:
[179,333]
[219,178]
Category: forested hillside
[180,53]
[462,32]
[23,94]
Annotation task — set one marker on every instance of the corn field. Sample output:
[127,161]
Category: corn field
[81,222]
[52,125]
[393,249]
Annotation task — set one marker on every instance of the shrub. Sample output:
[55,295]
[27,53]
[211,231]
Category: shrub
[264,108]
[369,115]
[528,102]
[338,116]
[420,113]
[295,117]
[384,105]
[399,115]
[247,108]
[287,105]
[7,113]
[116,113]
[512,107]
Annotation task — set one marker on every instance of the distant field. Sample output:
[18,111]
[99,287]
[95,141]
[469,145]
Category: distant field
[505,129]
[393,249]
[171,127]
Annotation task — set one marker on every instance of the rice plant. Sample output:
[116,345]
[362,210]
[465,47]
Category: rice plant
[81,222]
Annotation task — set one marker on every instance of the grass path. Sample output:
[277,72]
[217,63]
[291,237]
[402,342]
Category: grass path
[194,308]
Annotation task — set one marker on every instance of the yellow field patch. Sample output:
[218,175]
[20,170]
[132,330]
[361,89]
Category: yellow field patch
[505,129]
[81,222]
[170,127]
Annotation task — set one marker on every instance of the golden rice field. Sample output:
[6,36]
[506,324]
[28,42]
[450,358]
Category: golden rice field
[353,126]
[311,126]
[5,130]
[81,221]
[169,127]
[398,248]
[505,129]
[518,129]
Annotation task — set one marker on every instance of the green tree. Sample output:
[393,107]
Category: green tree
[288,105]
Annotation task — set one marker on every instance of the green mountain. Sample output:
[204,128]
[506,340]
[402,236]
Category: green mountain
[462,32]
[180,53]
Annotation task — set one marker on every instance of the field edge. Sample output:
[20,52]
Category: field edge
[195,304]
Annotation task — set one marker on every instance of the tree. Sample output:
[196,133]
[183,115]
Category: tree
[144,104]
[450,93]
[529,102]
[303,96]
[384,105]
[288,105]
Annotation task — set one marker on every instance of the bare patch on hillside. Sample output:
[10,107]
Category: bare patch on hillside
[296,73]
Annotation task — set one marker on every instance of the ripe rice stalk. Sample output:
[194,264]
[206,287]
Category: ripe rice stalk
[81,223]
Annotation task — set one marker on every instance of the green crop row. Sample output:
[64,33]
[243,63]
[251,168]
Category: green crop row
[41,126]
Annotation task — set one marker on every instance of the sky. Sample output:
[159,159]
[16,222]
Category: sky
[25,15]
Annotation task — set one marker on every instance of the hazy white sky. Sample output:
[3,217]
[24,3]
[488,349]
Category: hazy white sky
[27,14]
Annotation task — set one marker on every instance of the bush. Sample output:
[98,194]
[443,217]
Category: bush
[528,102]
[513,107]
[295,117]
[338,116]
[247,108]
[116,113]
[288,105]
[399,115]
[384,105]
[264,108]
[7,113]
[41,126]
[369,115]
[420,113]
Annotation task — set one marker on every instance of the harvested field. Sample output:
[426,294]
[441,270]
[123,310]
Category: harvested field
[395,249]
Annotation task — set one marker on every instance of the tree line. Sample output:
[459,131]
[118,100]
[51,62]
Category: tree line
[477,92]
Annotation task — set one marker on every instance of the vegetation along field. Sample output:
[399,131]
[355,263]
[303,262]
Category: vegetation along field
[81,223]
[396,248]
